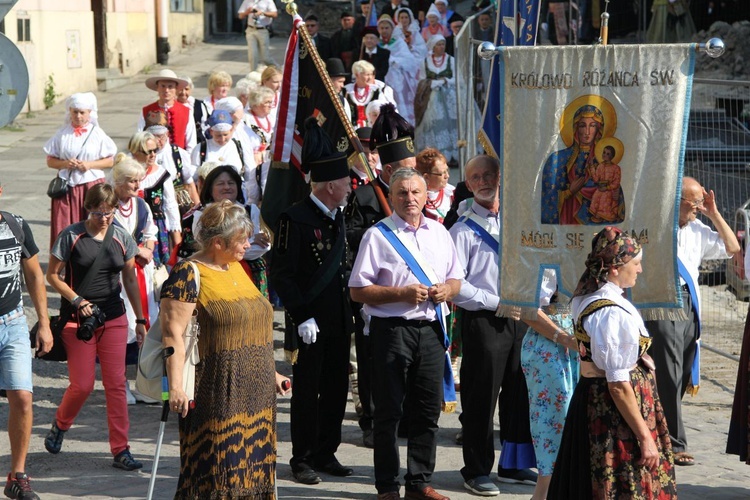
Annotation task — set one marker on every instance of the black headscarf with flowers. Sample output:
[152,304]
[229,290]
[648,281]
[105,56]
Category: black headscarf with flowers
[610,248]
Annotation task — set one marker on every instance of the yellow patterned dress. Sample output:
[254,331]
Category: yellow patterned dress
[228,442]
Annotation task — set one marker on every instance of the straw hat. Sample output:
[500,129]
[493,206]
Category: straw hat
[166,74]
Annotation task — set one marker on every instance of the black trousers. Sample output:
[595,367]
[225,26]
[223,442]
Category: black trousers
[321,385]
[491,362]
[407,357]
[673,350]
[364,367]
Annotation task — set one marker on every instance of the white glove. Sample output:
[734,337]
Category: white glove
[308,331]
[437,84]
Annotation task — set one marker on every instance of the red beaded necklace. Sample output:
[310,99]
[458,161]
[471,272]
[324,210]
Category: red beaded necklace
[435,60]
[361,96]
[266,129]
[126,211]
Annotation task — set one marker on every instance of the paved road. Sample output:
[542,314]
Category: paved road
[84,469]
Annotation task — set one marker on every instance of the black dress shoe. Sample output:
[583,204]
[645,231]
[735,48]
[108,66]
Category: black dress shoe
[306,476]
[335,469]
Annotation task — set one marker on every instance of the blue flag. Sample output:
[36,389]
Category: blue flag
[517,21]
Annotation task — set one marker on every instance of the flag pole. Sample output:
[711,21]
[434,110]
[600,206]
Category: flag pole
[320,66]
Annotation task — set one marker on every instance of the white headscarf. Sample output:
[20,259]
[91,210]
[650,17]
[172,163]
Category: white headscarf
[433,40]
[82,100]
[433,11]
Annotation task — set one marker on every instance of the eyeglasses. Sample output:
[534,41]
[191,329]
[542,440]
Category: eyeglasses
[149,151]
[485,177]
[440,174]
[694,204]
[103,215]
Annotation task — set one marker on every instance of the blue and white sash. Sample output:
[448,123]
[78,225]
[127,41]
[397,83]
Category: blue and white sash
[695,374]
[421,269]
[481,228]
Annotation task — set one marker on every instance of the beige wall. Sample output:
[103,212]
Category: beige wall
[51,51]
[187,25]
[55,25]
[132,36]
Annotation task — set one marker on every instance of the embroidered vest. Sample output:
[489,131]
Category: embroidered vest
[583,338]
[178,117]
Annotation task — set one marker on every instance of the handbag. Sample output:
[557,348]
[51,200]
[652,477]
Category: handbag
[159,276]
[57,323]
[58,187]
[148,380]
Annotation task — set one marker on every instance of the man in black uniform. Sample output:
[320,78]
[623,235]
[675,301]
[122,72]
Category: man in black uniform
[307,272]
[377,56]
[343,42]
[322,43]
[362,212]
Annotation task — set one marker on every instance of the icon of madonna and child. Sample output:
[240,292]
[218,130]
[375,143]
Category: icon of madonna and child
[581,183]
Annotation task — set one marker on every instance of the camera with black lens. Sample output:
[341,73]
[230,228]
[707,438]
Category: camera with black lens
[89,325]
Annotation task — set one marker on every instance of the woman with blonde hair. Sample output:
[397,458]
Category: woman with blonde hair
[219,84]
[271,78]
[158,191]
[236,346]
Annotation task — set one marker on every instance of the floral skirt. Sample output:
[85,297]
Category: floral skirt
[161,249]
[551,373]
[599,452]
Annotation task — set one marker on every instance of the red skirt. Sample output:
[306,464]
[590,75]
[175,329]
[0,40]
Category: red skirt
[68,209]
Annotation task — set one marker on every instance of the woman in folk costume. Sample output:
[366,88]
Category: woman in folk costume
[271,78]
[79,151]
[362,92]
[433,166]
[433,26]
[259,124]
[134,216]
[438,127]
[219,84]
[615,443]
[175,160]
[402,71]
[407,28]
[158,191]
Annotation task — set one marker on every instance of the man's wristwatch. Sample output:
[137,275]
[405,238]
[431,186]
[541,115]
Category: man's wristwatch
[140,322]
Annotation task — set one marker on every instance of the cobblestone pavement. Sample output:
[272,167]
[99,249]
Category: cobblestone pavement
[83,468]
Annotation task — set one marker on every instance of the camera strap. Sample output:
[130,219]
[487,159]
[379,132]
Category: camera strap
[97,264]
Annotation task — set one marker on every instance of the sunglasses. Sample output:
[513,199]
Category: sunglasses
[149,151]
[103,215]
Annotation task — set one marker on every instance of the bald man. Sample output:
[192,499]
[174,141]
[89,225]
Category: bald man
[674,342]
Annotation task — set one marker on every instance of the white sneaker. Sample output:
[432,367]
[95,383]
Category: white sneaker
[129,395]
[144,399]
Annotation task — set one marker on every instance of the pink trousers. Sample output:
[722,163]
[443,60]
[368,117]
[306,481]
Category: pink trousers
[109,344]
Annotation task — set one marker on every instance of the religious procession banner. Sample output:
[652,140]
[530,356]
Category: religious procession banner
[590,137]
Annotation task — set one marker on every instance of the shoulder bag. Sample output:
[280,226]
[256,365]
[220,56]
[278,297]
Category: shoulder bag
[57,323]
[148,380]
[58,187]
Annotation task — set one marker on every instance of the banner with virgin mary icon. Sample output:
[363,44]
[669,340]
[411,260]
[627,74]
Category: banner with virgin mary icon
[590,137]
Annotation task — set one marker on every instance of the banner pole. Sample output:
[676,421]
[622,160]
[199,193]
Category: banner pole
[350,133]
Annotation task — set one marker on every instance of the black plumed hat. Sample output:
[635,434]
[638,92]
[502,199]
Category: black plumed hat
[392,135]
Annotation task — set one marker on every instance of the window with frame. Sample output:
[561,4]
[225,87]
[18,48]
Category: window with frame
[182,5]
[24,29]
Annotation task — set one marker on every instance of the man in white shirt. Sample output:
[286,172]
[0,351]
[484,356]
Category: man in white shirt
[674,343]
[491,345]
[260,15]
